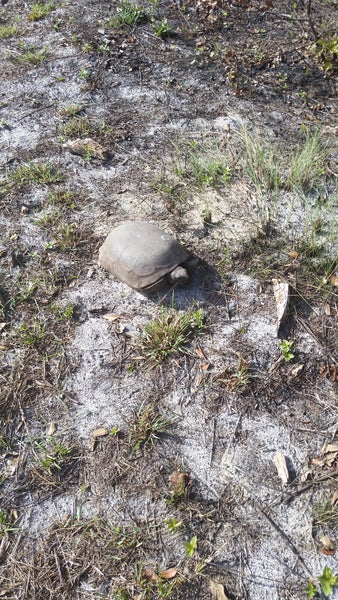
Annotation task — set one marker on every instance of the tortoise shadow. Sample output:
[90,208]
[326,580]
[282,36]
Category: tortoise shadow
[205,286]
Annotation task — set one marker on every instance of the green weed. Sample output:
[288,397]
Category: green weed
[67,237]
[146,427]
[204,166]
[191,546]
[286,346]
[30,173]
[308,163]
[39,10]
[8,31]
[168,335]
[260,159]
[327,50]
[325,515]
[53,455]
[63,312]
[76,127]
[128,14]
[62,198]
[32,335]
[32,55]
[173,524]
[161,28]
[6,523]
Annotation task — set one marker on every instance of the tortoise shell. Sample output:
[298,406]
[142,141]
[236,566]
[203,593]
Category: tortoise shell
[142,255]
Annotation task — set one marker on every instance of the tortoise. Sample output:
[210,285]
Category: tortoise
[145,257]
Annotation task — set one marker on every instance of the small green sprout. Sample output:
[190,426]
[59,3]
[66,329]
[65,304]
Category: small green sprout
[328,581]
[286,346]
[173,524]
[114,431]
[191,546]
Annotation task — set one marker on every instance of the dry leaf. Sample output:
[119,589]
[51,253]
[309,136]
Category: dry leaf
[217,590]
[334,498]
[100,432]
[2,326]
[327,542]
[168,573]
[111,317]
[293,254]
[11,466]
[331,448]
[281,466]
[200,353]
[281,293]
[295,371]
[204,367]
[328,551]
[150,575]
[51,428]
[330,372]
[327,310]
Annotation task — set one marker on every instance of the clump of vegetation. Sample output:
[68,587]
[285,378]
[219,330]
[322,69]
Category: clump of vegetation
[33,334]
[8,31]
[327,50]
[328,581]
[32,55]
[180,488]
[29,174]
[286,347]
[76,127]
[62,198]
[128,13]
[52,460]
[168,335]
[325,515]
[308,163]
[146,426]
[204,165]
[238,378]
[161,28]
[260,159]
[39,10]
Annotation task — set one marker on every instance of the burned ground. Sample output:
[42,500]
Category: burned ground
[182,445]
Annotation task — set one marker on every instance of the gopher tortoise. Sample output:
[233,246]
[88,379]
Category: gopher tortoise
[145,257]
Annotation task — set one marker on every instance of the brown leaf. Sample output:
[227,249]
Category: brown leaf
[51,428]
[328,551]
[293,254]
[217,590]
[281,293]
[331,448]
[327,542]
[281,466]
[204,367]
[327,310]
[295,371]
[100,432]
[111,317]
[168,573]
[200,353]
[150,575]
[330,372]
[334,498]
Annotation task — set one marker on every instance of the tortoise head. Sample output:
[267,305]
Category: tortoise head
[178,276]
